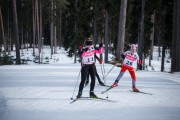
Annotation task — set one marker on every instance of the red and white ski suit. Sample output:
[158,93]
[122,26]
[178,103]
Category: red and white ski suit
[130,59]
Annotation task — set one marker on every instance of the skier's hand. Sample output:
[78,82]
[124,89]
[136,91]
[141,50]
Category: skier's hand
[100,61]
[123,56]
[100,45]
[86,49]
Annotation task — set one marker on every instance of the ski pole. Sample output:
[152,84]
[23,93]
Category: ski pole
[109,71]
[102,71]
[76,84]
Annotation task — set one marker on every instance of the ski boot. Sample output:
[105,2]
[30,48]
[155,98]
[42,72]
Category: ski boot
[101,83]
[92,95]
[135,89]
[114,84]
[79,95]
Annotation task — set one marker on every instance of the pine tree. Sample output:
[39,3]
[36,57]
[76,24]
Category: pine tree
[121,32]
[15,29]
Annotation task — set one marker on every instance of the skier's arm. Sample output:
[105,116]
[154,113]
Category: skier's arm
[100,50]
[100,61]
[83,52]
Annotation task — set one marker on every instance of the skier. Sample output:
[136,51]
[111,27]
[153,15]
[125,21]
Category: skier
[99,80]
[129,58]
[88,65]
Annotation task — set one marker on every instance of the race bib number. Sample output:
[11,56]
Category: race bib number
[89,59]
[128,62]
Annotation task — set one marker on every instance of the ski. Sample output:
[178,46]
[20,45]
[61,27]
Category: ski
[91,98]
[143,92]
[108,89]
[104,85]
[98,98]
[74,100]
[99,85]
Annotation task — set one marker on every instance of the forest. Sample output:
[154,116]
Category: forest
[67,23]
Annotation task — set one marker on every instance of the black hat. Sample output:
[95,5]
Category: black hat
[88,41]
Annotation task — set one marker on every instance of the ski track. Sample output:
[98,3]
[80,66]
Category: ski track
[43,92]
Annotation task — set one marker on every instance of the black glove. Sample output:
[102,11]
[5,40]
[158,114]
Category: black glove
[123,56]
[116,59]
[100,45]
[86,49]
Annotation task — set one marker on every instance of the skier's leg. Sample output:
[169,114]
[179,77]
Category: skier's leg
[87,79]
[133,76]
[92,72]
[123,70]
[84,71]
[99,80]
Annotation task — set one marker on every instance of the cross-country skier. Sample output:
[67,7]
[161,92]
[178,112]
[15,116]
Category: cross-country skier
[129,58]
[97,76]
[88,66]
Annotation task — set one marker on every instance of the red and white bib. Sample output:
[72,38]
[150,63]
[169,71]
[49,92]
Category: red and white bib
[130,58]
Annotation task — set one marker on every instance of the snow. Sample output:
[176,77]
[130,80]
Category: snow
[43,92]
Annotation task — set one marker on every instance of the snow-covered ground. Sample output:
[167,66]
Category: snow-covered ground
[43,92]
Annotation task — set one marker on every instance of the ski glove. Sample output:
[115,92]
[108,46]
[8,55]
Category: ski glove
[123,56]
[100,61]
[86,49]
[100,45]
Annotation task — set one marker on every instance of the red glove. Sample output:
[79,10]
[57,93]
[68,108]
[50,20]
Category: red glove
[140,62]
[100,61]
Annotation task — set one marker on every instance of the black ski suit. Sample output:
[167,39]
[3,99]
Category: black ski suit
[88,66]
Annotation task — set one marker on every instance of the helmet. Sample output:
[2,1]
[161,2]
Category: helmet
[88,42]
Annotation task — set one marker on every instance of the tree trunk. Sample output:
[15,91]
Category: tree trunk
[175,64]
[52,28]
[16,33]
[2,28]
[40,30]
[37,31]
[162,60]
[106,35]
[140,42]
[55,41]
[162,35]
[60,27]
[0,38]
[159,47]
[95,24]
[152,40]
[33,6]
[122,25]
[75,31]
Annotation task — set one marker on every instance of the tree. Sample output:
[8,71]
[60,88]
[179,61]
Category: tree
[52,27]
[2,28]
[106,31]
[141,37]
[16,34]
[121,32]
[175,65]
